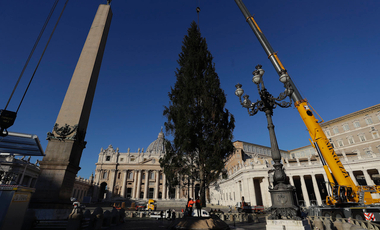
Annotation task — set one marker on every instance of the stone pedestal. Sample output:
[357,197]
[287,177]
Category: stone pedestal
[287,225]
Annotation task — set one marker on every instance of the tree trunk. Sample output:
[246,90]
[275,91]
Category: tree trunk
[202,186]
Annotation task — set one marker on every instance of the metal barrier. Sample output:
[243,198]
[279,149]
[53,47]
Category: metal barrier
[362,223]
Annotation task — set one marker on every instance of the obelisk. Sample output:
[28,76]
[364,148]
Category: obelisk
[66,142]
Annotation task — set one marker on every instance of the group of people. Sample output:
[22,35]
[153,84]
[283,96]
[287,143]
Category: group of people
[190,205]
[170,214]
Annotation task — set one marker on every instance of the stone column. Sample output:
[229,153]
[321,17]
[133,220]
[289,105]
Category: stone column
[112,178]
[304,191]
[368,178]
[164,196]
[177,192]
[138,184]
[353,177]
[146,184]
[60,164]
[265,192]
[316,190]
[291,181]
[134,189]
[252,191]
[245,190]
[124,185]
[157,184]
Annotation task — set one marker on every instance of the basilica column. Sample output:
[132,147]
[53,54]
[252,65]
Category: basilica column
[157,184]
[112,181]
[138,184]
[124,185]
[177,192]
[146,184]
[316,190]
[304,191]
[134,192]
[164,196]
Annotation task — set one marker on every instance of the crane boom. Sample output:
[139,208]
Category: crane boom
[338,175]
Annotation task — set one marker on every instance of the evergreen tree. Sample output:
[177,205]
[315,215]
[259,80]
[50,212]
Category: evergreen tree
[201,126]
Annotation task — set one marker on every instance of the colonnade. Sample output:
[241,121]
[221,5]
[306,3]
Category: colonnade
[310,183]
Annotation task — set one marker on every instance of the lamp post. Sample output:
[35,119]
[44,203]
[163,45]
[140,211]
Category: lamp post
[284,202]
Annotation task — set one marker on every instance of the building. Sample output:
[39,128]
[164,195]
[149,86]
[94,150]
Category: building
[20,171]
[83,189]
[355,139]
[135,175]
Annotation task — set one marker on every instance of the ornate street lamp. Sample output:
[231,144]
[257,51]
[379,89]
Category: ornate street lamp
[284,202]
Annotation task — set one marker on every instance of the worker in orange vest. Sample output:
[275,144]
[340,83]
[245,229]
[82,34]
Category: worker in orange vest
[190,203]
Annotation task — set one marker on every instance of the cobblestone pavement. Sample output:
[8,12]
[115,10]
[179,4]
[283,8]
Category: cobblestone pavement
[148,224]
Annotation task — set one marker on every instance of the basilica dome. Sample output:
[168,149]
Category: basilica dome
[158,146]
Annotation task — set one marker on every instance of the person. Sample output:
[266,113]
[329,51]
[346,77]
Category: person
[173,215]
[162,215]
[190,203]
[198,206]
[169,214]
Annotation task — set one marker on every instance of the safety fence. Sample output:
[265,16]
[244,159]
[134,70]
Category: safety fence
[328,223]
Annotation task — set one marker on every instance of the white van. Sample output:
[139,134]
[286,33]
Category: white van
[204,213]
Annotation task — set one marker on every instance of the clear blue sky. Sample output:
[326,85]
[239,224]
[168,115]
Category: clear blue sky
[331,50]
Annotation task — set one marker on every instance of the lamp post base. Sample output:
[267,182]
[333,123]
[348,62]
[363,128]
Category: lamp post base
[284,203]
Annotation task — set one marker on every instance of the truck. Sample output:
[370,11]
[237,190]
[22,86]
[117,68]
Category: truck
[151,205]
[345,198]
[247,208]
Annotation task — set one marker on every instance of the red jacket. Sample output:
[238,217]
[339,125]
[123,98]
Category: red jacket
[190,203]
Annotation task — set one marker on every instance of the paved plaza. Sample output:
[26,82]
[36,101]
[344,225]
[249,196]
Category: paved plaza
[148,224]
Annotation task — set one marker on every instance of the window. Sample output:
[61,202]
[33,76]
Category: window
[108,158]
[130,175]
[346,127]
[340,143]
[132,159]
[160,176]
[118,175]
[152,175]
[105,175]
[143,176]
[327,132]
[375,135]
[350,140]
[335,130]
[121,159]
[356,124]
[331,142]
[368,152]
[362,137]
[368,120]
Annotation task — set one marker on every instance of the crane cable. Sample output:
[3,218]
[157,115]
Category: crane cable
[39,61]
[32,51]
